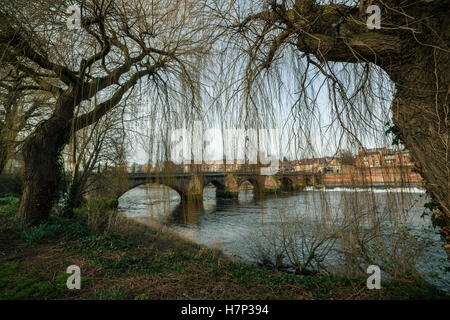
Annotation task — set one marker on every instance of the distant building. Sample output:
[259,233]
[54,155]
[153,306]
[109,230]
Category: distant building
[319,165]
[366,158]
[382,157]
[287,166]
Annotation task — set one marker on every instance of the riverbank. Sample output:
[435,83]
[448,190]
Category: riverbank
[122,259]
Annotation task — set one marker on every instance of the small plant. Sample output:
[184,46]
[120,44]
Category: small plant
[68,229]
[98,213]
[115,293]
[61,279]
[9,200]
[129,264]
[99,242]
[141,297]
[68,205]
[75,230]
[392,129]
[428,206]
[8,205]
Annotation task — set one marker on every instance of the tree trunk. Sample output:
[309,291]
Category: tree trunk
[8,135]
[41,154]
[3,155]
[421,113]
[6,149]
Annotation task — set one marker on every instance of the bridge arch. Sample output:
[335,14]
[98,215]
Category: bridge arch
[189,187]
[136,182]
[287,184]
[256,182]
[216,183]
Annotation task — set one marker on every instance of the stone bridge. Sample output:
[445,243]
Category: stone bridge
[190,185]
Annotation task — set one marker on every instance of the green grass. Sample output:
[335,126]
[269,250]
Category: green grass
[15,284]
[55,227]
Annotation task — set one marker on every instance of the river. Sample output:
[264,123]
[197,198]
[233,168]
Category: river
[246,228]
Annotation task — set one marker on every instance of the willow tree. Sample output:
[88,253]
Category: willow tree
[410,46]
[94,54]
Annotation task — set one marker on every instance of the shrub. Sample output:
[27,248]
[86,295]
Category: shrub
[69,202]
[74,229]
[98,213]
[102,204]
[34,234]
[142,296]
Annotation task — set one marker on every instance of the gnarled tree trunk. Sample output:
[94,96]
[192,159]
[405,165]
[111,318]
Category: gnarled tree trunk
[421,113]
[41,154]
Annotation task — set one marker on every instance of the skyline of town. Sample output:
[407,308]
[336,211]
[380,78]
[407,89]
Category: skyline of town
[373,157]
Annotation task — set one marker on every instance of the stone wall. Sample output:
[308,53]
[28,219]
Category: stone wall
[376,176]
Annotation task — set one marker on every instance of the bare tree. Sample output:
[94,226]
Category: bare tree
[119,44]
[89,152]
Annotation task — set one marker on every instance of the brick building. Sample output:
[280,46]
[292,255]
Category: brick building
[382,157]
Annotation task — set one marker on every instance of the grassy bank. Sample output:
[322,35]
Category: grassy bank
[122,259]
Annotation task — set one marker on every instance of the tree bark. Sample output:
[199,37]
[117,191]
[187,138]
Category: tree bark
[8,135]
[41,154]
[3,154]
[9,129]
[421,113]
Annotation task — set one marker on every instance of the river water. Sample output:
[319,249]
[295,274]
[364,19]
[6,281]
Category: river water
[248,229]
